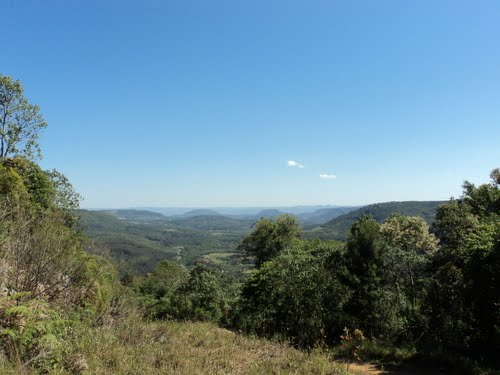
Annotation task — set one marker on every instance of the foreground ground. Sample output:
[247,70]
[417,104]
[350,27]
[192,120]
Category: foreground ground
[134,347]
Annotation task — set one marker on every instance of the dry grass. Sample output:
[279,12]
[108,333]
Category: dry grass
[135,347]
[192,348]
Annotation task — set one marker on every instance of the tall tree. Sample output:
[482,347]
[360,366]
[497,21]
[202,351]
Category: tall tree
[365,254]
[20,121]
[463,297]
[410,246]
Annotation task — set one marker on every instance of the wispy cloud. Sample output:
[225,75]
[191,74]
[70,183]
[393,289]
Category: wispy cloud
[326,176]
[294,164]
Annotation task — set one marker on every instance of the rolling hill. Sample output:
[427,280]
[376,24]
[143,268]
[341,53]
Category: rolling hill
[212,222]
[137,215]
[143,243]
[201,212]
[324,215]
[269,213]
[338,228]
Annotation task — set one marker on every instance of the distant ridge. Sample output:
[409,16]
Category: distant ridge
[136,215]
[324,215]
[338,228]
[201,212]
[270,213]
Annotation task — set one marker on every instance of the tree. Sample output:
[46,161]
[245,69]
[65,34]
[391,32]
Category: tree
[368,307]
[270,237]
[166,278]
[410,246]
[297,295]
[463,295]
[495,177]
[203,294]
[20,121]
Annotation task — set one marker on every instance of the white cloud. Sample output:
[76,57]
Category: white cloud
[326,176]
[294,164]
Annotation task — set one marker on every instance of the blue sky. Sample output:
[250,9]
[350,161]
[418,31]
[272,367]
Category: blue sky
[203,103]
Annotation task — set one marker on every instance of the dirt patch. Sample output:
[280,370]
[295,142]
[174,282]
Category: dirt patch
[372,369]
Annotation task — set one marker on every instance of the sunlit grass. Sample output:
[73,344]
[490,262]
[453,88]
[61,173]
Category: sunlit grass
[135,347]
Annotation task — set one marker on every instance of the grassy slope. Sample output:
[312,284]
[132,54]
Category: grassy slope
[135,347]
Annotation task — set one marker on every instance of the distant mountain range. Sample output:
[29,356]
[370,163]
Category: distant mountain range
[307,215]
[237,211]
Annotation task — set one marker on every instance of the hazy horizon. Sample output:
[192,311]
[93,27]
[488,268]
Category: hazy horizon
[226,209]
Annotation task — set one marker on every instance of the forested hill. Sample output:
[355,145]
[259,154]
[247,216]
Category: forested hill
[338,227]
[143,238]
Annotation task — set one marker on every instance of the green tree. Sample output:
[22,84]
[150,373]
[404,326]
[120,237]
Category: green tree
[203,295]
[462,300]
[368,307]
[159,289]
[410,247]
[166,278]
[454,223]
[40,189]
[20,121]
[297,295]
[270,237]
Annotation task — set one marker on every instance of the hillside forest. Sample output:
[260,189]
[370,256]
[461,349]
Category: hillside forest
[137,292]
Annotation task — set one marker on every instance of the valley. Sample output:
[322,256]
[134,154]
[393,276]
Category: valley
[138,239]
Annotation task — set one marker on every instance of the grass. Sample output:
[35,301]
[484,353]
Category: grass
[219,258]
[135,347]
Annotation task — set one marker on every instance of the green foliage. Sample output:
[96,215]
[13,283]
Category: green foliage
[31,331]
[170,292]
[11,182]
[20,121]
[204,294]
[369,306]
[270,237]
[463,302]
[49,280]
[410,247]
[455,222]
[164,280]
[24,181]
[296,295]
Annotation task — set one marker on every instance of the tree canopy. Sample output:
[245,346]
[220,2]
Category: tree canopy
[20,121]
[270,237]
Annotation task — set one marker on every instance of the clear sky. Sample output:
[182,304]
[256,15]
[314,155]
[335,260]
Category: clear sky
[204,103]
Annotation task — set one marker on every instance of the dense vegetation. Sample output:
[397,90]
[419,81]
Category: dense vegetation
[393,290]
[435,292]
[138,240]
